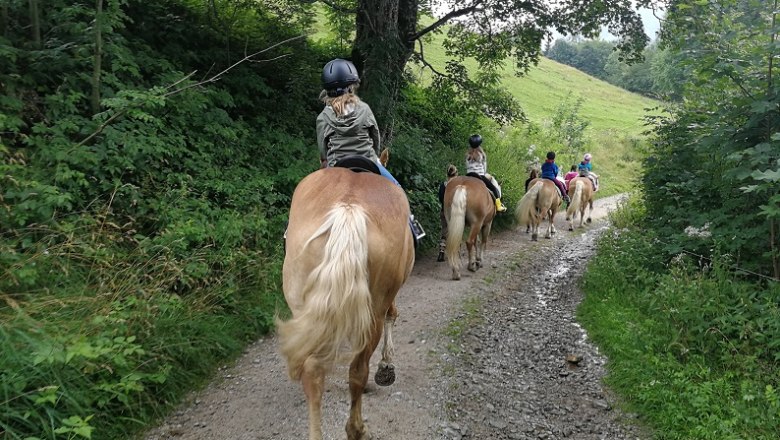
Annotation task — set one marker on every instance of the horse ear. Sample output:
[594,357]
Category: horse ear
[384,157]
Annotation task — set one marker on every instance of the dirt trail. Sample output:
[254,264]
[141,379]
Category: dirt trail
[505,378]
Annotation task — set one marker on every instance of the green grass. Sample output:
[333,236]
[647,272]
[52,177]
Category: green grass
[689,352]
[616,116]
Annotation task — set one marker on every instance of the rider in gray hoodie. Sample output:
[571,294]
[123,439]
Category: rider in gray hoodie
[347,126]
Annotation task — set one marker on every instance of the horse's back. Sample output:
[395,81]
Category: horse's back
[386,212]
[479,201]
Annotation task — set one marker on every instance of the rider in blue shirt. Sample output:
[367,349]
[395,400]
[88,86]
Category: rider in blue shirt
[550,171]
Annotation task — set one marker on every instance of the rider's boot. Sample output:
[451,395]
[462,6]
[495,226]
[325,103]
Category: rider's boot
[499,206]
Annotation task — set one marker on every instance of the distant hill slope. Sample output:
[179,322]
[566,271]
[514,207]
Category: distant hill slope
[541,90]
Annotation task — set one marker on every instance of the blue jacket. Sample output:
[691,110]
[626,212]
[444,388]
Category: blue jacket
[549,170]
[586,166]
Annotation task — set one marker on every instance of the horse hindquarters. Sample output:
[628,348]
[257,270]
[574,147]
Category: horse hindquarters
[336,309]
[456,224]
[576,205]
[527,213]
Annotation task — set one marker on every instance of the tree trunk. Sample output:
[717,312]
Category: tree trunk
[383,45]
[35,20]
[97,66]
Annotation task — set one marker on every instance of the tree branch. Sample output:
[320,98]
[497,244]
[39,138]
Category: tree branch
[419,56]
[334,6]
[440,22]
[172,90]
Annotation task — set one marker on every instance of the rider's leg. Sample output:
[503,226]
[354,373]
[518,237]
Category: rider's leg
[496,192]
[383,171]
[562,188]
[417,230]
[499,207]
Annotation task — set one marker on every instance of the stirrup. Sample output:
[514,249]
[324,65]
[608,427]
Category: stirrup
[417,229]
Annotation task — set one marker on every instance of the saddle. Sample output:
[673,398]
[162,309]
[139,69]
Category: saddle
[358,164]
[362,164]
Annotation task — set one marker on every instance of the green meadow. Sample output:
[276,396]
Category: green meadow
[615,117]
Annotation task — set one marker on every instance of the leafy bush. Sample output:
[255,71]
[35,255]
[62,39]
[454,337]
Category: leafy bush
[693,352]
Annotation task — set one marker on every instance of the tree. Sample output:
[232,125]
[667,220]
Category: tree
[388,34]
[717,159]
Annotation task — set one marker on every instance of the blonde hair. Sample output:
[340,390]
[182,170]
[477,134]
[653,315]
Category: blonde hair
[340,103]
[475,154]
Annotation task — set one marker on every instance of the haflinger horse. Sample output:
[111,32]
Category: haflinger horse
[581,195]
[541,201]
[467,201]
[349,249]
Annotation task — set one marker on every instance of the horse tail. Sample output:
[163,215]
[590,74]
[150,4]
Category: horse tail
[456,225]
[337,310]
[527,205]
[575,200]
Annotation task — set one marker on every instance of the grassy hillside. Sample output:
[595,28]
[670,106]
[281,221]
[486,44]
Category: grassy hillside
[615,116]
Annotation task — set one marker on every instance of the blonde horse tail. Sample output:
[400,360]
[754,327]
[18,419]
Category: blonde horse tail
[576,200]
[456,225]
[337,310]
[527,205]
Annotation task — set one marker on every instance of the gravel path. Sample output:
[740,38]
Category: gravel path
[480,358]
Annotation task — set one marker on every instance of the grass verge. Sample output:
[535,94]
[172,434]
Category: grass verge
[692,352]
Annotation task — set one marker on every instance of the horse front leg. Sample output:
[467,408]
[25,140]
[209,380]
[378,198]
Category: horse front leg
[385,373]
[313,381]
[358,378]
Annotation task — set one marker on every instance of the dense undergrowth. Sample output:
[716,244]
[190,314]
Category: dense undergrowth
[141,233]
[692,346]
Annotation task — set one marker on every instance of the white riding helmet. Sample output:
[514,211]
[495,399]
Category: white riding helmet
[587,157]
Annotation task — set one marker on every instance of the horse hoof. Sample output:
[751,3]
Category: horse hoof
[589,220]
[456,277]
[385,375]
[440,258]
[571,228]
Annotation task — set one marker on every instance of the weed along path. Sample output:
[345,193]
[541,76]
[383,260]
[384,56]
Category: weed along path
[496,355]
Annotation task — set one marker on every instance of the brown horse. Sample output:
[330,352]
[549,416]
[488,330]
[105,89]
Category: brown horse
[467,201]
[581,195]
[349,250]
[541,201]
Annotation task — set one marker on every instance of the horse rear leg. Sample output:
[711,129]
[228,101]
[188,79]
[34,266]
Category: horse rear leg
[385,373]
[483,239]
[313,381]
[590,211]
[471,245]
[358,378]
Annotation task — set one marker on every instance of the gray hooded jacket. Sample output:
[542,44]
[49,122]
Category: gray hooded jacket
[355,133]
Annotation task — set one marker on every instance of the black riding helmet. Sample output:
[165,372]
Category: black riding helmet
[551,155]
[338,75]
[475,140]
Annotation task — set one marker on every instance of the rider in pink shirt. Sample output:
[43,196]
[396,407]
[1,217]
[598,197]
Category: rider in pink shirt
[570,175]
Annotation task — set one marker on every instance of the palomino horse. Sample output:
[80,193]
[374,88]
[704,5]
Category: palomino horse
[541,201]
[467,201]
[349,250]
[581,195]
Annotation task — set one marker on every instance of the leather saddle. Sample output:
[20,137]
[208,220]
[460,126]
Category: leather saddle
[358,164]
